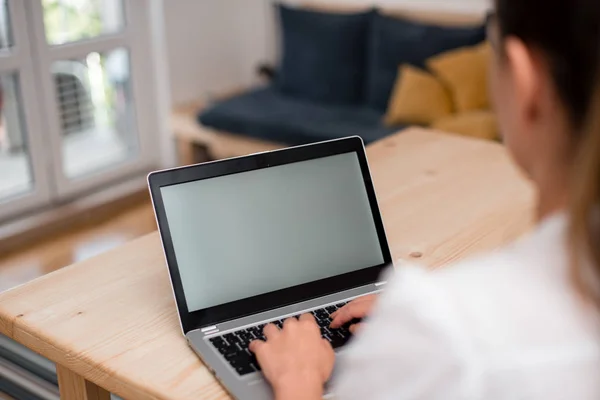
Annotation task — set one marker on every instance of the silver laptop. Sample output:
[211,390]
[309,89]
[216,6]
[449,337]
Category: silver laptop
[261,238]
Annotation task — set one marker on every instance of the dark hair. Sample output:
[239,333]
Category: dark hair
[584,232]
[567,33]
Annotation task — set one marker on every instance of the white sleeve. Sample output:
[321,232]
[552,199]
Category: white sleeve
[412,347]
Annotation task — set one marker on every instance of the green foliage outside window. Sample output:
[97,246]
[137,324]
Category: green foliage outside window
[71,20]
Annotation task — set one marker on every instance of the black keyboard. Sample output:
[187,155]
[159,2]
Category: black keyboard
[234,346]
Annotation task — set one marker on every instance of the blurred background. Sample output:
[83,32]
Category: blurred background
[94,94]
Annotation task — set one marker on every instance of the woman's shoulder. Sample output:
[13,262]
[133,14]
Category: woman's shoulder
[535,260]
[463,326]
[518,297]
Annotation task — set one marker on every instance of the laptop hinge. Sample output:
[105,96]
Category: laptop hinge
[381,283]
[209,329]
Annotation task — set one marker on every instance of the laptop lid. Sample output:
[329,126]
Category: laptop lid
[255,233]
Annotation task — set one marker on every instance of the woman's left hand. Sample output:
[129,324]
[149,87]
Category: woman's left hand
[295,360]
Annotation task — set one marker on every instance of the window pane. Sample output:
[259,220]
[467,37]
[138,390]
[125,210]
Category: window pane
[5,30]
[15,170]
[73,20]
[96,112]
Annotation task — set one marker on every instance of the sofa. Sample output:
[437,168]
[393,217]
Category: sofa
[336,74]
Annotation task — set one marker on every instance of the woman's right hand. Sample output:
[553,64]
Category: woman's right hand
[357,309]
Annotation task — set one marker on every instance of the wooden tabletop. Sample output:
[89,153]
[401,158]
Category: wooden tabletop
[111,320]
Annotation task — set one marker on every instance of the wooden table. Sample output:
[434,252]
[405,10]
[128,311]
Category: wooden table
[110,322]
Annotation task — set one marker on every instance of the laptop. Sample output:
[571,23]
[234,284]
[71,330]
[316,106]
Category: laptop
[257,239]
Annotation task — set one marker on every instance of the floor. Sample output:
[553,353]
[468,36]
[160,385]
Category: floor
[56,252]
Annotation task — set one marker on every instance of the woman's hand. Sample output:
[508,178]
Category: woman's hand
[356,309]
[295,360]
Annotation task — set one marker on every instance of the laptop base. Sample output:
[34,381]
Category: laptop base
[253,385]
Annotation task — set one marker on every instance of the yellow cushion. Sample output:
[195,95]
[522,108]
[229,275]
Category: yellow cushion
[480,124]
[464,72]
[418,98]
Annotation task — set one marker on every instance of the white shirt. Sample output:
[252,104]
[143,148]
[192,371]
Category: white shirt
[504,326]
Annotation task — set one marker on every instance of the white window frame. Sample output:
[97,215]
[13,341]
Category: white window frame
[136,36]
[18,60]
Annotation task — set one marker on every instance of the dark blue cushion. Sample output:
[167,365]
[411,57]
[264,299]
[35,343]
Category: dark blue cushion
[270,115]
[323,55]
[394,41]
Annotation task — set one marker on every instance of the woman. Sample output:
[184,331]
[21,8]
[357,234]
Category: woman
[522,323]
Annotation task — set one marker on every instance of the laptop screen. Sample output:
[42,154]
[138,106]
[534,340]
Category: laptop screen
[254,232]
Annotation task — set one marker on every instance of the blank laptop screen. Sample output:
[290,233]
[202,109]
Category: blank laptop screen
[250,233]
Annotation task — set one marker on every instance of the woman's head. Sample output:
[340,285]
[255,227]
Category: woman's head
[546,58]
[545,77]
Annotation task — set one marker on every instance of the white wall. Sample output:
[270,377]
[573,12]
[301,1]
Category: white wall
[212,45]
[215,45]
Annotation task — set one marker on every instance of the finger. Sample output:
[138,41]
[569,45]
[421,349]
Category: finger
[343,315]
[349,312]
[355,328]
[307,318]
[367,298]
[271,331]
[326,344]
[289,322]
[256,345]
[309,323]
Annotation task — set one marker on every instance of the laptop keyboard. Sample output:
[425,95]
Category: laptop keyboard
[234,346]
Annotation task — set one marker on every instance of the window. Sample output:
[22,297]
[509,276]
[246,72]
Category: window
[78,98]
